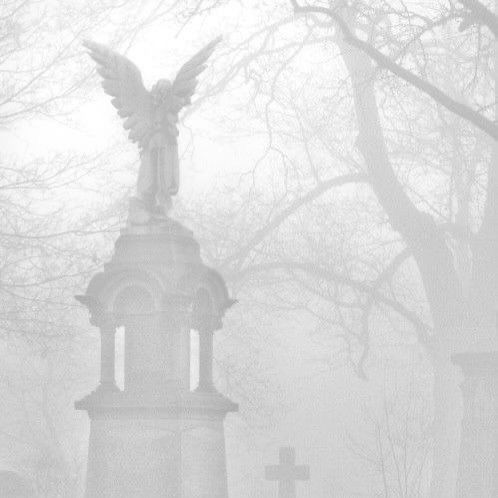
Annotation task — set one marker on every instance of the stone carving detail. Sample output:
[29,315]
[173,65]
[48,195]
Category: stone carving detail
[155,436]
[151,118]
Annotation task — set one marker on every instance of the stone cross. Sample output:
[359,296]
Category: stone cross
[287,473]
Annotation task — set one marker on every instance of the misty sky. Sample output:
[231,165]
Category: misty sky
[340,298]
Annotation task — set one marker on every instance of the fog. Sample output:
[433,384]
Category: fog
[294,296]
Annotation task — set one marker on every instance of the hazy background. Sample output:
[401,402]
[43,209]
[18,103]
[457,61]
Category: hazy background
[328,218]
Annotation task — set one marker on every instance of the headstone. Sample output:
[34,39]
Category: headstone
[287,473]
[478,467]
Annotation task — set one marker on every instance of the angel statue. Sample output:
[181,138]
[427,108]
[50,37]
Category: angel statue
[152,117]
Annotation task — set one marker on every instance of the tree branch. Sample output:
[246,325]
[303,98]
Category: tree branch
[423,237]
[488,126]
[264,231]
[482,14]
[326,274]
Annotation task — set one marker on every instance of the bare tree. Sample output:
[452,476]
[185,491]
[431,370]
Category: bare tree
[439,200]
[399,441]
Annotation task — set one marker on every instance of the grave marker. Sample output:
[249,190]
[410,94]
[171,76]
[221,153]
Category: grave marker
[287,473]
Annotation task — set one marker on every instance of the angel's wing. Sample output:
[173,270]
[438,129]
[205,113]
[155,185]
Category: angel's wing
[183,87]
[123,81]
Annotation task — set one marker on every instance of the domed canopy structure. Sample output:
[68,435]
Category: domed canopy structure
[157,288]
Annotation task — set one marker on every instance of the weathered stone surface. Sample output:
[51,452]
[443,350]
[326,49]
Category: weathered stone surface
[152,118]
[287,473]
[155,438]
[478,468]
[13,485]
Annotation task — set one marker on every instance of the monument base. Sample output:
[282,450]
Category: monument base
[139,448]
[156,439]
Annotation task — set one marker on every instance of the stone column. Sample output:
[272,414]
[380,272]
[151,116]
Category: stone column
[203,442]
[206,338]
[176,319]
[107,355]
[478,467]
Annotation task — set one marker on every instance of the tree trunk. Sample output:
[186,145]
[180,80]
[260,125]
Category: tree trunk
[435,263]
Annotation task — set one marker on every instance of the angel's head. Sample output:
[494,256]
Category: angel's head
[161,90]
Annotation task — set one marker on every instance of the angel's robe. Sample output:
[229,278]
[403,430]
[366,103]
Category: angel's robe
[158,176]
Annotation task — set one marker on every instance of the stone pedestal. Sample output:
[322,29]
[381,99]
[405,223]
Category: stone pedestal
[478,467]
[155,438]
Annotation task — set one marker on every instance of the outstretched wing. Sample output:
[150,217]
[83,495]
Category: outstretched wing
[123,81]
[183,87]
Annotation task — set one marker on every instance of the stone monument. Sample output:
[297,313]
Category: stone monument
[478,466]
[155,437]
[14,485]
[287,473]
